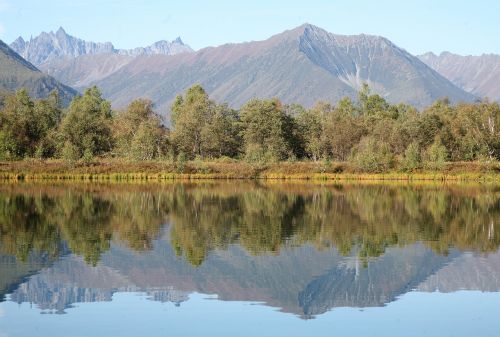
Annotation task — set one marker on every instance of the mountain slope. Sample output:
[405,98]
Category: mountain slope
[59,45]
[81,72]
[302,65]
[16,73]
[476,74]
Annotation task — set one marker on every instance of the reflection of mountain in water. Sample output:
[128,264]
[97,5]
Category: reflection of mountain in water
[380,282]
[467,272]
[302,248]
[303,281]
[14,272]
[71,280]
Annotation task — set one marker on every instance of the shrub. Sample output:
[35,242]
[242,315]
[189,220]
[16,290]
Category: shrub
[371,155]
[70,152]
[436,155]
[412,158]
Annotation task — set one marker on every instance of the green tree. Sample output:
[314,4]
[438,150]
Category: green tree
[139,133]
[412,159]
[266,132]
[19,131]
[221,135]
[190,114]
[311,123]
[342,130]
[86,127]
[371,104]
[436,155]
[371,155]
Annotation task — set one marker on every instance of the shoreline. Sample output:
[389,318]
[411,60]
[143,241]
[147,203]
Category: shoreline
[115,170]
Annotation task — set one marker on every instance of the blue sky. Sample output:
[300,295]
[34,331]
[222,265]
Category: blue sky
[463,27]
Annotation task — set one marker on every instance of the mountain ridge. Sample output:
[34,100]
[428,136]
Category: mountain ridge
[49,46]
[477,74]
[302,65]
[17,73]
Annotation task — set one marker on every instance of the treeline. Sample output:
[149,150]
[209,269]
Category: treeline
[370,133]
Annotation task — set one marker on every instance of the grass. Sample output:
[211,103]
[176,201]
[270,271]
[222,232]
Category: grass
[121,170]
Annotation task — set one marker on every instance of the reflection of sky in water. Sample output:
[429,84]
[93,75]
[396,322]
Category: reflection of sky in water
[464,313]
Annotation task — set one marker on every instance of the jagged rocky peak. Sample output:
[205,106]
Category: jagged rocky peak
[49,46]
[310,35]
[160,47]
[18,44]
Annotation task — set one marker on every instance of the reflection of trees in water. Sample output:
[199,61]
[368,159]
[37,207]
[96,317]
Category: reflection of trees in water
[39,220]
[262,219]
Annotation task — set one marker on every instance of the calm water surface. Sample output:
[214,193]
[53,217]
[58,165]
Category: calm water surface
[249,259]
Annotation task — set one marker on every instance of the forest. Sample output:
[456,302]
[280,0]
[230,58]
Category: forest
[369,133]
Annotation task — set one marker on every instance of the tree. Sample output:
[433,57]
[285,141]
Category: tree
[474,128]
[371,105]
[265,130]
[86,127]
[311,123]
[139,133]
[342,131]
[412,159]
[17,132]
[221,134]
[371,155]
[149,141]
[48,115]
[189,116]
[436,155]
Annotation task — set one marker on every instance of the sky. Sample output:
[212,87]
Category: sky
[462,27]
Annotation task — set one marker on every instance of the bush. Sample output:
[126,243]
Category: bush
[436,156]
[8,146]
[256,154]
[371,155]
[412,159]
[70,152]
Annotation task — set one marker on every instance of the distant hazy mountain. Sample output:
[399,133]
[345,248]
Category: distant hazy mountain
[476,74]
[80,63]
[302,65]
[50,46]
[16,73]
[85,70]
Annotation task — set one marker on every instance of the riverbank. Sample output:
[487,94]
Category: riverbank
[111,169]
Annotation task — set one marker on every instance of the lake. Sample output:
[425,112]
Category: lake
[242,258]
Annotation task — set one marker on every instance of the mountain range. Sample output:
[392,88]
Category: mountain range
[476,74]
[303,65]
[49,46]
